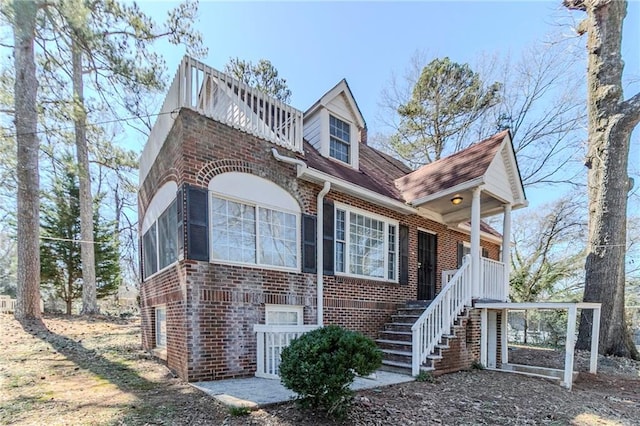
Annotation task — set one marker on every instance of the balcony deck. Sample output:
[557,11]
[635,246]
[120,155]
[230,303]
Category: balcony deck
[225,99]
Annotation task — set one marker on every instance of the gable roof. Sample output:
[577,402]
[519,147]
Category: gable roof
[377,170]
[341,88]
[448,172]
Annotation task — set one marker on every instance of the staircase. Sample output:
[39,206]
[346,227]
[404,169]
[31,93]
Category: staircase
[395,340]
[419,331]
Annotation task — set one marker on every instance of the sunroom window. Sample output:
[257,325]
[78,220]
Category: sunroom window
[365,245]
[339,139]
[253,234]
[160,242]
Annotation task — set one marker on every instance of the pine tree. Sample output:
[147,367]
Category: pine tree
[61,261]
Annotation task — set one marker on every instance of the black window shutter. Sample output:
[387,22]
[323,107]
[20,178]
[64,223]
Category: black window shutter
[308,243]
[485,252]
[197,223]
[404,254]
[328,225]
[140,259]
[460,253]
[180,224]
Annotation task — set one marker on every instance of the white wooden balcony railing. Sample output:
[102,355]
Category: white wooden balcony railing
[227,100]
[272,339]
[492,274]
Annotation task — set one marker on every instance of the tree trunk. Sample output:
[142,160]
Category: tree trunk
[26,121]
[526,327]
[611,120]
[87,253]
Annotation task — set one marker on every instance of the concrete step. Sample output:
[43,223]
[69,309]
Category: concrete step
[396,352]
[404,336]
[403,366]
[394,344]
[405,318]
[398,326]
[411,311]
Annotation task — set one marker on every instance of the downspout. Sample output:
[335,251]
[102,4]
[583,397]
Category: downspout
[319,237]
[320,254]
[288,160]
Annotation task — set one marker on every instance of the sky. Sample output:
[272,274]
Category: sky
[316,44]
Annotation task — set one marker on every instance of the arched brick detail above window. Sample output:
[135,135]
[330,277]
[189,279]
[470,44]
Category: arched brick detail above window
[275,175]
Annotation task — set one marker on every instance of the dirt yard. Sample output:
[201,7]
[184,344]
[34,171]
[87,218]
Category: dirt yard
[86,371]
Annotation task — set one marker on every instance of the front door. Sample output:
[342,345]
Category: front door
[426,266]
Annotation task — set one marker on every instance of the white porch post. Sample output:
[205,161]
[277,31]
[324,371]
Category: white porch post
[475,244]
[570,346]
[595,339]
[484,329]
[506,248]
[504,338]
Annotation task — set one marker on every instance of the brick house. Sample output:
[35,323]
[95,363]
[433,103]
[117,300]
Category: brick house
[259,222]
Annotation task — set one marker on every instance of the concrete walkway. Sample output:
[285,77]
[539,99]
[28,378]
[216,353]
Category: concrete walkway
[255,392]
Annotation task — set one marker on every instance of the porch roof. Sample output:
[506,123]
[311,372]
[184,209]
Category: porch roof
[490,163]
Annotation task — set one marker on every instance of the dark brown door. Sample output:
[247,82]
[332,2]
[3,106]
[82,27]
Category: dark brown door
[427,246]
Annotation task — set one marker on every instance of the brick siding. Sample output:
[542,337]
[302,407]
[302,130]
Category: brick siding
[212,307]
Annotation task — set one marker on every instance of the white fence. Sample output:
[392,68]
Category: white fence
[8,305]
[272,339]
[493,278]
[227,100]
[437,319]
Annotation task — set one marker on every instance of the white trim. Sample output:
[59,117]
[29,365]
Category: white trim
[463,228]
[155,325]
[449,191]
[427,231]
[157,235]
[256,206]
[387,222]
[159,203]
[246,186]
[298,309]
[316,176]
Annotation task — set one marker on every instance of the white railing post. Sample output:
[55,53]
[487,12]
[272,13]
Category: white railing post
[260,353]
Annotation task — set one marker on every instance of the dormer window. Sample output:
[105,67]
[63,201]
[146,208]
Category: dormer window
[340,139]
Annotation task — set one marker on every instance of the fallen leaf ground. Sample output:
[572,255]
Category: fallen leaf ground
[91,371]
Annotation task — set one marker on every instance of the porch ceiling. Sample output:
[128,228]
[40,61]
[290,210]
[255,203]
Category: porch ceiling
[452,213]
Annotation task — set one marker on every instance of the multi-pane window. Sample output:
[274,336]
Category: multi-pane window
[365,246]
[149,251]
[161,327]
[160,242]
[168,236]
[254,234]
[339,139]
[391,259]
[283,315]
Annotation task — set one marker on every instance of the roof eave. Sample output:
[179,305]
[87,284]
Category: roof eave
[316,176]
[465,186]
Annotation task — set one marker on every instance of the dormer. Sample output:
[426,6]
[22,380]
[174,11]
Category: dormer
[335,127]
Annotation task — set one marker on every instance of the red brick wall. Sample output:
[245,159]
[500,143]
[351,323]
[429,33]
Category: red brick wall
[211,308]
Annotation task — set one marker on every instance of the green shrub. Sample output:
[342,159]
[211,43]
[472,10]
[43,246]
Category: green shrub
[320,365]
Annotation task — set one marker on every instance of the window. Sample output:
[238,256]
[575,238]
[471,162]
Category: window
[283,314]
[365,245]
[168,236]
[160,242]
[339,139]
[161,327]
[247,233]
[149,251]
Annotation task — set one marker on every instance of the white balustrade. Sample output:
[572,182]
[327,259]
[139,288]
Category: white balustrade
[493,278]
[227,100]
[440,315]
[271,340]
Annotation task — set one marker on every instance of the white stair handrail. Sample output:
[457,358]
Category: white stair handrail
[440,315]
